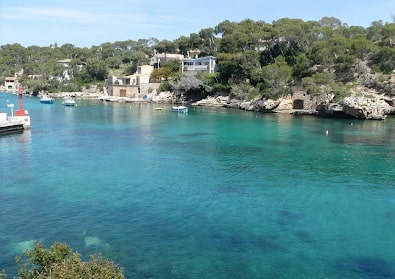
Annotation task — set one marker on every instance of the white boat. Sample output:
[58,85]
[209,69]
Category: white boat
[180,109]
[45,99]
[68,101]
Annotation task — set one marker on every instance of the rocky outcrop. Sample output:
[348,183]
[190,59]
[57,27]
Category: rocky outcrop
[332,110]
[361,107]
[218,101]
[260,105]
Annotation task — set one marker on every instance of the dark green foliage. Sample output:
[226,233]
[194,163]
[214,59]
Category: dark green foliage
[130,69]
[276,77]
[166,46]
[231,67]
[319,84]
[169,69]
[59,261]
[164,86]
[95,69]
[385,59]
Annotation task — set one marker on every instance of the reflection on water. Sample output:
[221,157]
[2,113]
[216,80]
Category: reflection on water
[16,143]
[365,133]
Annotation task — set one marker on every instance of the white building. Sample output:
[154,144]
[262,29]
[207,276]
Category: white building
[11,83]
[64,62]
[202,64]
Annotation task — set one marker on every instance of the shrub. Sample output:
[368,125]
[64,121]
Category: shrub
[59,261]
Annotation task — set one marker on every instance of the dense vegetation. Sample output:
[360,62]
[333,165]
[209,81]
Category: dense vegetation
[255,59]
[59,261]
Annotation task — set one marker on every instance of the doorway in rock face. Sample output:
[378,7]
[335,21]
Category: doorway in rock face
[122,93]
[298,104]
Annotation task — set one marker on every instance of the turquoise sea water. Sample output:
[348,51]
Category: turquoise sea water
[215,193]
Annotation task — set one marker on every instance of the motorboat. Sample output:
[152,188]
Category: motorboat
[180,109]
[68,101]
[45,99]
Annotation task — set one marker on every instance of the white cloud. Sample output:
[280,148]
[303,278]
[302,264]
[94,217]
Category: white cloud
[29,13]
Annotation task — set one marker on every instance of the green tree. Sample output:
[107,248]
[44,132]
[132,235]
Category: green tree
[276,77]
[36,85]
[388,33]
[94,70]
[209,42]
[363,49]
[319,84]
[385,60]
[231,70]
[374,31]
[166,46]
[183,45]
[60,262]
[224,28]
[170,69]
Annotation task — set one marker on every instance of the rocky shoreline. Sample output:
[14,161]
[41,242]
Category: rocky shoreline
[363,102]
[372,107]
[360,106]
[374,102]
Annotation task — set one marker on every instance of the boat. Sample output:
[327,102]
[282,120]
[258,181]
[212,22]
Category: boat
[17,122]
[68,101]
[45,99]
[180,109]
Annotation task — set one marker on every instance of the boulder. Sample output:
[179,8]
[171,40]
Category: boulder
[366,107]
[260,105]
[332,110]
[209,101]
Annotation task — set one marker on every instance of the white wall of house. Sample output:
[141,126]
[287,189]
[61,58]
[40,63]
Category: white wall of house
[205,64]
[64,62]
[11,83]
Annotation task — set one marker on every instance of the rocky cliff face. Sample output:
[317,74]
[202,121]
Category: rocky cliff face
[374,102]
[361,107]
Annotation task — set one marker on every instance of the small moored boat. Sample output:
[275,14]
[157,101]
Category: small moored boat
[68,101]
[180,109]
[45,99]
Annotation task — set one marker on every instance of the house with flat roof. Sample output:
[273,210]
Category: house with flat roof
[11,83]
[64,62]
[133,86]
[204,64]
[159,58]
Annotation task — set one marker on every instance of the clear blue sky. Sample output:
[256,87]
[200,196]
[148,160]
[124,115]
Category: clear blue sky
[85,23]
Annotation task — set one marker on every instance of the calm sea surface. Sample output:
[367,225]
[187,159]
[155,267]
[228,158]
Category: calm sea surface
[214,193]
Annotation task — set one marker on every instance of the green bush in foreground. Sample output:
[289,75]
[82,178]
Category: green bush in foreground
[59,261]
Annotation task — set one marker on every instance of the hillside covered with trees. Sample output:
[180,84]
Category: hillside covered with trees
[255,60]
